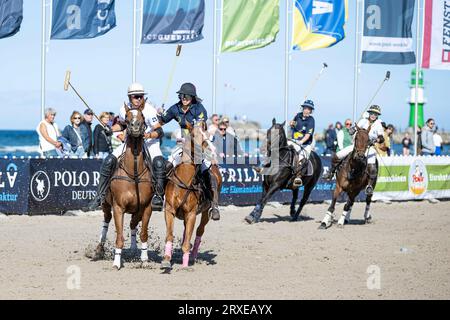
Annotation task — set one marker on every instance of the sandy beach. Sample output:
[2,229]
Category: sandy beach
[403,254]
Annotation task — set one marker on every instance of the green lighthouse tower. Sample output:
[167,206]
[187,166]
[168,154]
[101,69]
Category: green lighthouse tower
[420,100]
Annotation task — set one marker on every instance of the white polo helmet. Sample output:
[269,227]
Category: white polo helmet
[136,88]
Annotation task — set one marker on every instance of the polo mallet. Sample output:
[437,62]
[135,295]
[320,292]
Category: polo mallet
[324,66]
[67,84]
[386,78]
[172,72]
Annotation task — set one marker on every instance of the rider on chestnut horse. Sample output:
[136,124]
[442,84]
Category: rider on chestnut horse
[189,110]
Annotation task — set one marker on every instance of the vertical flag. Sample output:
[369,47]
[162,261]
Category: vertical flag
[10,17]
[249,24]
[172,21]
[318,24]
[78,19]
[387,36]
[436,35]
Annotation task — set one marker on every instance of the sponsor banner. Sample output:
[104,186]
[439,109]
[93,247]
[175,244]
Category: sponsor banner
[387,36]
[411,178]
[58,185]
[14,176]
[172,21]
[436,34]
[318,24]
[78,19]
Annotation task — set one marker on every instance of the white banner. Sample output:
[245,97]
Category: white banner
[436,34]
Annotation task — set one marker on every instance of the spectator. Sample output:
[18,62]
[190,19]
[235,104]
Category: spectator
[330,140]
[102,142]
[86,132]
[111,118]
[117,138]
[214,124]
[226,143]
[406,143]
[382,148]
[339,133]
[428,147]
[230,130]
[72,133]
[419,140]
[437,142]
[344,138]
[48,132]
[387,138]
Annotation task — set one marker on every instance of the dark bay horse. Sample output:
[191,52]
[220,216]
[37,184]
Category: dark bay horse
[130,191]
[352,177]
[282,172]
[184,196]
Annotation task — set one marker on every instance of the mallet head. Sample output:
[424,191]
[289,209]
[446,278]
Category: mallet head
[67,81]
[325,65]
[388,75]
[178,50]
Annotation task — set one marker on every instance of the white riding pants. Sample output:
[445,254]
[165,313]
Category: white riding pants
[371,154]
[177,153]
[152,146]
[303,151]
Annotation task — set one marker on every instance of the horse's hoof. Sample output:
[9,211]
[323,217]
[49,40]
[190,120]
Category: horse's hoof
[146,265]
[340,226]
[116,266]
[165,265]
[368,220]
[323,226]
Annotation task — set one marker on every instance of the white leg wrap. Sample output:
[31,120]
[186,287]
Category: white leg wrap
[133,239]
[104,232]
[117,258]
[144,255]
[328,220]
[367,212]
[343,218]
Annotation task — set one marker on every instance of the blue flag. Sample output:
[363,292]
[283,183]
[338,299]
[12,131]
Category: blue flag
[318,24]
[173,21]
[10,17]
[387,36]
[78,19]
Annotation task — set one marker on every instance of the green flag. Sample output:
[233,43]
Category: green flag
[249,24]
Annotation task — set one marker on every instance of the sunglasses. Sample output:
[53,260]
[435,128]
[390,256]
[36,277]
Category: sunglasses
[137,97]
[223,129]
[348,124]
[373,114]
[77,118]
[185,97]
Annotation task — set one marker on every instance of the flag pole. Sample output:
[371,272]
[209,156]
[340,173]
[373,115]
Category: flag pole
[133,72]
[356,75]
[417,79]
[286,70]
[43,58]
[214,91]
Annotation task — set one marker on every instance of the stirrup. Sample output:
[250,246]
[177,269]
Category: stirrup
[298,182]
[157,203]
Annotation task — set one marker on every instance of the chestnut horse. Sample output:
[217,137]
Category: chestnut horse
[185,198]
[351,178]
[130,191]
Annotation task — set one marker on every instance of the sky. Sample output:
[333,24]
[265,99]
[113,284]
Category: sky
[101,72]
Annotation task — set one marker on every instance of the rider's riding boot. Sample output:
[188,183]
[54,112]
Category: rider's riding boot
[210,189]
[298,182]
[373,173]
[334,164]
[106,171]
[159,172]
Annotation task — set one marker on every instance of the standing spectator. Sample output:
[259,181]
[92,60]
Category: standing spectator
[428,147]
[330,140]
[339,136]
[48,133]
[344,138]
[406,143]
[230,130]
[437,142]
[72,133]
[214,124]
[102,142]
[226,144]
[388,138]
[86,132]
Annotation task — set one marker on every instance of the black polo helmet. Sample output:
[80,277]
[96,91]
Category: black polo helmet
[189,89]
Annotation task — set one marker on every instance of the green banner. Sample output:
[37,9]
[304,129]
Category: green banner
[249,24]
